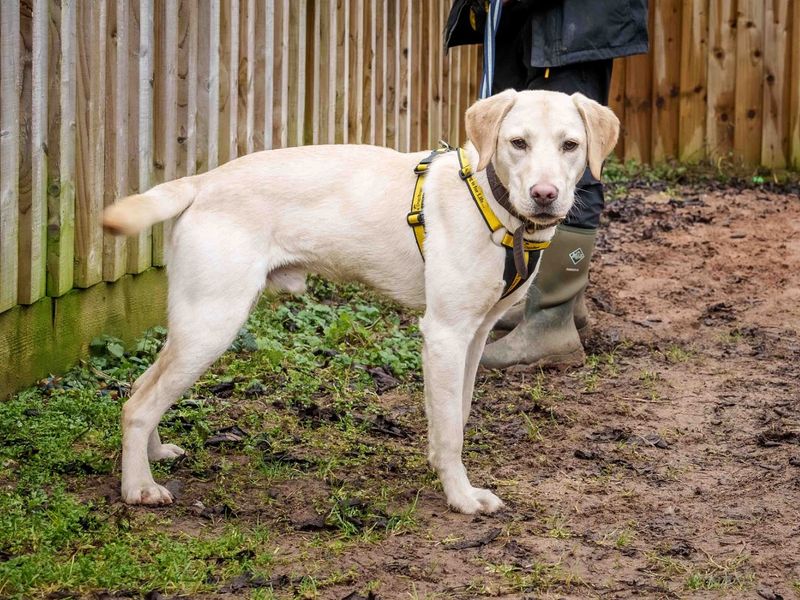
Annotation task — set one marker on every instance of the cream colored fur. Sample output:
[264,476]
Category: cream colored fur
[269,218]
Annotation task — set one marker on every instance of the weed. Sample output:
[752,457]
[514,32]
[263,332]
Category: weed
[415,595]
[358,518]
[557,527]
[624,538]
[534,428]
[619,538]
[619,175]
[731,338]
[598,367]
[537,391]
[534,577]
[650,381]
[712,574]
[676,355]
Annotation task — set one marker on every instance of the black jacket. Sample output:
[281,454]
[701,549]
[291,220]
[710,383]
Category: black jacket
[559,32]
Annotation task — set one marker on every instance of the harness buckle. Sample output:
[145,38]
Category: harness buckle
[415,218]
[465,173]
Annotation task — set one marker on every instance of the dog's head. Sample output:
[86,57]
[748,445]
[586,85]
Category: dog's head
[540,144]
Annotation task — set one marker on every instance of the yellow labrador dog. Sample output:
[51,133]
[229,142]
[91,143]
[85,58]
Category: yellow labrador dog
[270,218]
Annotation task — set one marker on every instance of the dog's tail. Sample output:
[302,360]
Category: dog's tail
[135,213]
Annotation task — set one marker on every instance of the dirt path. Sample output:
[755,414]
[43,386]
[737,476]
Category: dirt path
[670,465]
[667,467]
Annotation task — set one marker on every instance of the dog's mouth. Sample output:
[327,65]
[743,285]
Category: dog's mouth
[542,220]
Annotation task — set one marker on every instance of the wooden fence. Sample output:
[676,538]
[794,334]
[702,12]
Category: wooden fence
[722,80]
[102,98]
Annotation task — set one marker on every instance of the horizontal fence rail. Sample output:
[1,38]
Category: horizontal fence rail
[103,98]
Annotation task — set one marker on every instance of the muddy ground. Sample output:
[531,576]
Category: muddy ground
[667,467]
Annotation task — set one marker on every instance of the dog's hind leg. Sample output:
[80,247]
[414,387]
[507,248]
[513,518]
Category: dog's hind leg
[206,312]
[189,353]
[155,449]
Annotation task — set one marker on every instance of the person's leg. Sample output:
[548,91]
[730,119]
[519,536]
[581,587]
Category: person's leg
[593,80]
[546,330]
[510,65]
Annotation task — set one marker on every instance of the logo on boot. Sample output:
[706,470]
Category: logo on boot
[576,256]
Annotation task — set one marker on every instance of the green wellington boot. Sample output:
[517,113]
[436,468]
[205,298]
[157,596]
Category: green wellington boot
[546,330]
[514,315]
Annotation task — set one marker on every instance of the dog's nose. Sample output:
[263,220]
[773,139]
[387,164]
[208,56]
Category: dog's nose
[544,194]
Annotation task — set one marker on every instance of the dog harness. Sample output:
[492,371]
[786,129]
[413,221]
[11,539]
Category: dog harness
[522,256]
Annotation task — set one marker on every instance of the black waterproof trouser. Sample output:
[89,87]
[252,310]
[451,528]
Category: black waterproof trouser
[592,79]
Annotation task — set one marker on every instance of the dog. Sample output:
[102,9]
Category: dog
[340,211]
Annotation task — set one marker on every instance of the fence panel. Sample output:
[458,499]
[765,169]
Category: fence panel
[794,102]
[721,99]
[90,159]
[117,123]
[10,89]
[694,74]
[777,96]
[749,73]
[666,78]
[61,195]
[33,205]
[104,98]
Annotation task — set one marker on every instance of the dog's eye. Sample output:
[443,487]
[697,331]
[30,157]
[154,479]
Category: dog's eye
[519,144]
[569,145]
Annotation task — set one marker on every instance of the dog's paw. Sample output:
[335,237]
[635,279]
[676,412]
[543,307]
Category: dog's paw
[150,494]
[475,500]
[165,452]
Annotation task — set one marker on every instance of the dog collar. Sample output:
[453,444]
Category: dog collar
[522,255]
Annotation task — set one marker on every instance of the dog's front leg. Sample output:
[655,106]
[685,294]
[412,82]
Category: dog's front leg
[444,361]
[474,352]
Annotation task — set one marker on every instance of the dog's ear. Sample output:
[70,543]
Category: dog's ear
[482,123]
[602,131]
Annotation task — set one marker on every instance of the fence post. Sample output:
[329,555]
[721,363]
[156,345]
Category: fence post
[61,196]
[693,78]
[749,71]
[10,88]
[721,79]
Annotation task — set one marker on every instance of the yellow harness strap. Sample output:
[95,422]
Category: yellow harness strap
[475,190]
[416,218]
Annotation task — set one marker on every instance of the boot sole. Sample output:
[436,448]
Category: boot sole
[576,358]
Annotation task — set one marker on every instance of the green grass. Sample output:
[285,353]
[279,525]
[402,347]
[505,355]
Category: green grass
[295,357]
[619,175]
[709,574]
[599,367]
[536,577]
[558,527]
